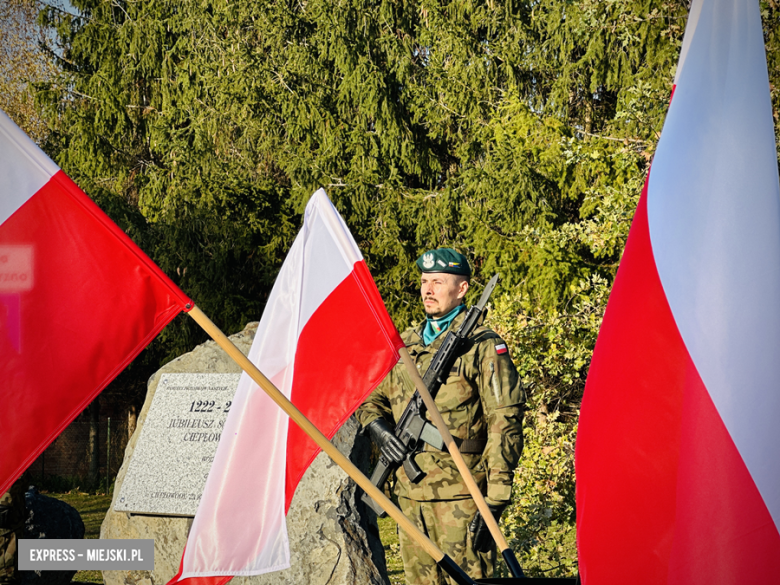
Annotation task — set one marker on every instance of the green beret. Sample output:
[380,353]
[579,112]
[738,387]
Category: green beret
[444,260]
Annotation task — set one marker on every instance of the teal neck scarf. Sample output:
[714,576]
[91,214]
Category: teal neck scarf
[435,327]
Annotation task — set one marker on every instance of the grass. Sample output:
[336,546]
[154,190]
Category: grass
[388,532]
[93,508]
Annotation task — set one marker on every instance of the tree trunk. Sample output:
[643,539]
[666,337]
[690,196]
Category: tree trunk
[94,443]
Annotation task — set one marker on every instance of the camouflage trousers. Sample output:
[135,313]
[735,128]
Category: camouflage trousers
[11,525]
[446,523]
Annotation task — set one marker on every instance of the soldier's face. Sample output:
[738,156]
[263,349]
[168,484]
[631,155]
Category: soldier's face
[441,292]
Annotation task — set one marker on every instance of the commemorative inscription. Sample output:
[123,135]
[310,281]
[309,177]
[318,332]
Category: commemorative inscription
[178,441]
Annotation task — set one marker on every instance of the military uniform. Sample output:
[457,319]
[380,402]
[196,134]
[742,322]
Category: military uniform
[11,525]
[482,402]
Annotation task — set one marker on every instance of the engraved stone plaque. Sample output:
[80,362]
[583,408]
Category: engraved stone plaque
[178,441]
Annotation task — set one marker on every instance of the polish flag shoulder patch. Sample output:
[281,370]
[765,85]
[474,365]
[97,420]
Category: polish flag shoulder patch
[501,348]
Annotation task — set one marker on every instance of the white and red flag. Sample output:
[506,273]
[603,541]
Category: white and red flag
[78,301]
[678,476]
[326,341]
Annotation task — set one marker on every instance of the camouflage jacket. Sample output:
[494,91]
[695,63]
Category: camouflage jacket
[481,399]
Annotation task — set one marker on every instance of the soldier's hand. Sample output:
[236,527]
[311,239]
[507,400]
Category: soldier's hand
[391,446]
[481,539]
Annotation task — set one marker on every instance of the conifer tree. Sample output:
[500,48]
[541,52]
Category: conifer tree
[489,127]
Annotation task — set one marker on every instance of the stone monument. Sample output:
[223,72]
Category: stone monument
[333,537]
[173,456]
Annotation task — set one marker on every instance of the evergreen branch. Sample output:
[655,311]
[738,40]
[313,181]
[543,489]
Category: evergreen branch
[342,184]
[74,92]
[281,80]
[64,63]
[118,5]
[616,139]
[451,111]
[79,94]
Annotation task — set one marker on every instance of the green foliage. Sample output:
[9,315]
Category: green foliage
[155,141]
[552,350]
[552,347]
[539,525]
[604,73]
[497,129]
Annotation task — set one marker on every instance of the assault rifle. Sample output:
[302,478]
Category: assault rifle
[412,429]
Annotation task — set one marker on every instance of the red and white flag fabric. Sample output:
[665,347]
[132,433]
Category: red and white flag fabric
[678,476]
[326,341]
[78,301]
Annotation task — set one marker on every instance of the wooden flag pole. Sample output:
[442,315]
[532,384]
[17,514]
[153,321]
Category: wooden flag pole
[444,561]
[465,472]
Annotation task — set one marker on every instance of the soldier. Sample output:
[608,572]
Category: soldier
[482,402]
